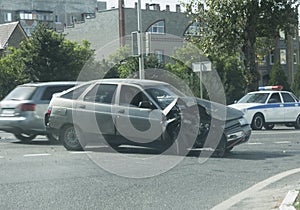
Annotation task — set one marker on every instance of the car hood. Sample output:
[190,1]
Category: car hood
[216,110]
[243,106]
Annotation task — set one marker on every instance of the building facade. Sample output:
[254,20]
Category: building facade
[56,14]
[165,29]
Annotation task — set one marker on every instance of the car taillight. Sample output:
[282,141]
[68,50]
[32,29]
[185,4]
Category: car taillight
[27,107]
[49,110]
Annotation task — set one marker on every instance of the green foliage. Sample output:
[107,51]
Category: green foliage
[278,77]
[296,83]
[230,71]
[234,26]
[48,56]
[11,72]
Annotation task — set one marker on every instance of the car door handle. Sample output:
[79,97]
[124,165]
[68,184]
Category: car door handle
[82,106]
[121,111]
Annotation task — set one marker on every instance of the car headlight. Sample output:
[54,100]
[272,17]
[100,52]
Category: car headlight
[243,121]
[236,135]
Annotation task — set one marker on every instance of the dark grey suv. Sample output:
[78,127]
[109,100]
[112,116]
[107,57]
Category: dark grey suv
[22,110]
[143,113]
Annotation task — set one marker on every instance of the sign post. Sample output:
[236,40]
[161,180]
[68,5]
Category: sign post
[200,67]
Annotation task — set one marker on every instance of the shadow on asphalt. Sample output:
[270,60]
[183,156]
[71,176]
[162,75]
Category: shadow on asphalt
[38,142]
[257,155]
[243,155]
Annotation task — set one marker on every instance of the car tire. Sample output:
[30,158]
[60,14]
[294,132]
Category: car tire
[220,151]
[257,122]
[297,123]
[70,138]
[25,137]
[269,126]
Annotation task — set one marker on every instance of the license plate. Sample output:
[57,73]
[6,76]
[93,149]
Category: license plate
[6,112]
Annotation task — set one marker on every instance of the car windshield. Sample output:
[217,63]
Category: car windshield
[21,93]
[254,98]
[163,95]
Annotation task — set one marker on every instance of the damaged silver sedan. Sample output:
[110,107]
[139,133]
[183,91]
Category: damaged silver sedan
[144,113]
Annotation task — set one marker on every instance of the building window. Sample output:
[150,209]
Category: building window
[7,17]
[159,55]
[194,30]
[57,18]
[272,57]
[25,16]
[157,28]
[283,56]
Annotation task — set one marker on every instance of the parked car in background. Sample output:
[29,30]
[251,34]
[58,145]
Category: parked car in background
[22,110]
[143,113]
[269,106]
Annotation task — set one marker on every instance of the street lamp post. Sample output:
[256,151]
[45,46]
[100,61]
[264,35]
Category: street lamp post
[140,42]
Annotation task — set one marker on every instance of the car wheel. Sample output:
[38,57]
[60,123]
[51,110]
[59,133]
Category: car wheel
[220,151]
[257,122]
[70,138]
[25,137]
[269,126]
[297,123]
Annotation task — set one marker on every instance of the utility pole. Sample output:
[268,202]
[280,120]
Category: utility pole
[140,42]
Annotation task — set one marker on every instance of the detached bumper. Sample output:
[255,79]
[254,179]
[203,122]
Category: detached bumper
[238,136]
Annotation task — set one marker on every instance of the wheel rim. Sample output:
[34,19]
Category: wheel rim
[258,122]
[70,137]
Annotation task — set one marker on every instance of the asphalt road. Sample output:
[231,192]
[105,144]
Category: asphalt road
[39,175]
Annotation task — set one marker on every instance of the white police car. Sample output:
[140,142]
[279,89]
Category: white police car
[269,106]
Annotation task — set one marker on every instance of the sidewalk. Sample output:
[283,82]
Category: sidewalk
[270,197]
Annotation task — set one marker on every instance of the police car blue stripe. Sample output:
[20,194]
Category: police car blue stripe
[277,105]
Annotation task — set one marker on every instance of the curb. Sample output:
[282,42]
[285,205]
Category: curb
[287,203]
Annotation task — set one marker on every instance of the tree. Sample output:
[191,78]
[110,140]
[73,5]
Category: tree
[296,83]
[12,72]
[48,56]
[233,26]
[278,77]
[229,69]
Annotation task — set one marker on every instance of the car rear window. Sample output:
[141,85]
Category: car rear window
[21,93]
[49,91]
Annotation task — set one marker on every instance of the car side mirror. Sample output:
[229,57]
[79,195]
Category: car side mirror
[235,101]
[146,105]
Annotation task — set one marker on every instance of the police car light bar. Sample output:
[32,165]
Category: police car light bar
[276,87]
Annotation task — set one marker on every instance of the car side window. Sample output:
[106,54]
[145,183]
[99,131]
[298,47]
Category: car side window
[287,98]
[275,98]
[75,93]
[101,93]
[49,91]
[132,96]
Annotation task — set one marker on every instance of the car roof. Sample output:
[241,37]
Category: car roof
[141,82]
[270,91]
[52,83]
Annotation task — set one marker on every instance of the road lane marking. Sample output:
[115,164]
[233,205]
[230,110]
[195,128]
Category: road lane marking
[255,143]
[254,189]
[83,152]
[282,142]
[1,157]
[36,155]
